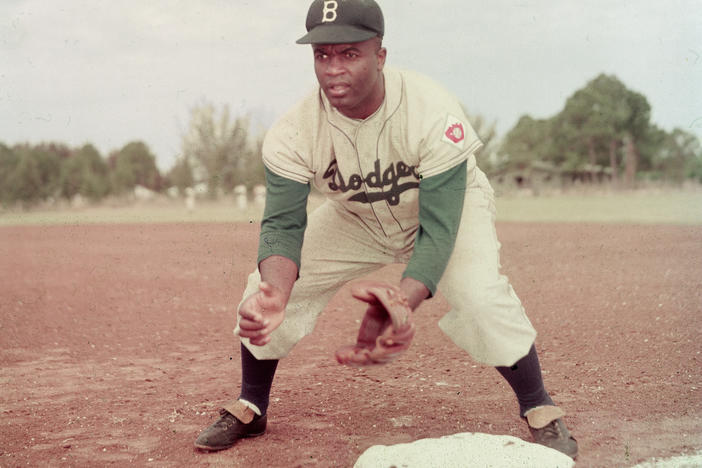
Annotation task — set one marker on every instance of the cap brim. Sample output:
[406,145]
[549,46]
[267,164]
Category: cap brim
[336,34]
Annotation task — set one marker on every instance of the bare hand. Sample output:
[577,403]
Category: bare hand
[261,313]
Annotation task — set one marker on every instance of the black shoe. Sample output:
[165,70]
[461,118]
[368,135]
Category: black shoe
[555,435]
[227,430]
[547,428]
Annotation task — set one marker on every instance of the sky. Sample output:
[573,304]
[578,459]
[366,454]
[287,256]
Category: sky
[107,72]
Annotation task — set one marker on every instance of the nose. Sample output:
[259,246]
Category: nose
[335,66]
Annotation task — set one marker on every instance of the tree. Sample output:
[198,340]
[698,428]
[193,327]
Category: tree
[634,128]
[85,172]
[602,124]
[8,162]
[36,174]
[181,175]
[134,165]
[253,172]
[26,178]
[678,156]
[528,141]
[218,148]
[649,148]
[601,118]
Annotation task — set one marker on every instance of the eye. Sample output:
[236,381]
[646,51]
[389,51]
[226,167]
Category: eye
[351,55]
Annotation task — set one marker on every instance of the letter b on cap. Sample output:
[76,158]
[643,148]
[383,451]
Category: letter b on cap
[329,11]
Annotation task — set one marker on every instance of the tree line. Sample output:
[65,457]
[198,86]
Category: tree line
[217,152]
[604,130]
[49,171]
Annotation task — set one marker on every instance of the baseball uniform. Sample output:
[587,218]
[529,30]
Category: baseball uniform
[374,174]
[401,186]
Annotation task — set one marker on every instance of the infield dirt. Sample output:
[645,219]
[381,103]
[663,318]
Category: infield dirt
[117,349]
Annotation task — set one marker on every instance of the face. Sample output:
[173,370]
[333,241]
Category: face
[351,76]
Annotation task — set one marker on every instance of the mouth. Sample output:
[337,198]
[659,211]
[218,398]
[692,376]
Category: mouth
[337,90]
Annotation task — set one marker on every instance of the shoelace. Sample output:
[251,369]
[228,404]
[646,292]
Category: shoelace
[552,430]
[224,421]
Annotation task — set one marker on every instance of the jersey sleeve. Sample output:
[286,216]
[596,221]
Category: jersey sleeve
[449,140]
[438,129]
[440,206]
[284,218]
[284,150]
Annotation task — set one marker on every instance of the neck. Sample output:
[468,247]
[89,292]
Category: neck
[379,96]
[372,104]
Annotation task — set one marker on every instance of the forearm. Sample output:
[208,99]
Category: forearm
[280,272]
[264,311]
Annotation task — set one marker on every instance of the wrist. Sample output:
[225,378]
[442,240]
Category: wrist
[415,290]
[279,272]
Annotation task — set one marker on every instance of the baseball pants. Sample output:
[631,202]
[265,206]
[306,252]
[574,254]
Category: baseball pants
[486,318]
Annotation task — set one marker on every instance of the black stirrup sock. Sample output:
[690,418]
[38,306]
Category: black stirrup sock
[525,379]
[256,379]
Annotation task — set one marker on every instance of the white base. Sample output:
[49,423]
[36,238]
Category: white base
[464,450]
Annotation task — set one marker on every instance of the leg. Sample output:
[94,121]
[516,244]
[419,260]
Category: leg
[543,417]
[336,250]
[256,380]
[525,379]
[245,417]
[487,318]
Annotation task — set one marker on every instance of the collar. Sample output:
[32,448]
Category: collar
[393,97]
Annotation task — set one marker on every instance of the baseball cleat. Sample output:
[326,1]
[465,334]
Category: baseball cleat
[547,428]
[230,428]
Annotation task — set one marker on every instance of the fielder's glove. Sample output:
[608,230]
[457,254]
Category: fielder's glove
[386,330]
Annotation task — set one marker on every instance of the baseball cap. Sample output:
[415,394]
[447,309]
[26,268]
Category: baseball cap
[342,21]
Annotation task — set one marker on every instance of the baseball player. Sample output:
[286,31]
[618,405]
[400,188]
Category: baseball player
[394,155]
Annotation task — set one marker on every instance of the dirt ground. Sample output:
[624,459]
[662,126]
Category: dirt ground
[117,349]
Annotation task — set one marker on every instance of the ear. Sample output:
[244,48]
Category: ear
[381,55]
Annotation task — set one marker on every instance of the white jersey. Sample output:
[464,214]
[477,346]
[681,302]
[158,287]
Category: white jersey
[373,167]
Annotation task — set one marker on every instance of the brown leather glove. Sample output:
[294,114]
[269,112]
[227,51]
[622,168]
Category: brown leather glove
[386,330]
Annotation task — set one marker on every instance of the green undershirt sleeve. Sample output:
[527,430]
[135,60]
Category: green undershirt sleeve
[284,218]
[440,206]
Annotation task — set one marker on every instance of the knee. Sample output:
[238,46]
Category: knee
[480,296]
[474,297]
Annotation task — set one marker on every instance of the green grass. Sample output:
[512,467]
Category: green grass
[144,213]
[626,207]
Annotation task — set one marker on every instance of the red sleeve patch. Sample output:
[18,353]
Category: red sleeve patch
[454,132]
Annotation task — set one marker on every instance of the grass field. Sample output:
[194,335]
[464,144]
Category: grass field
[627,207]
